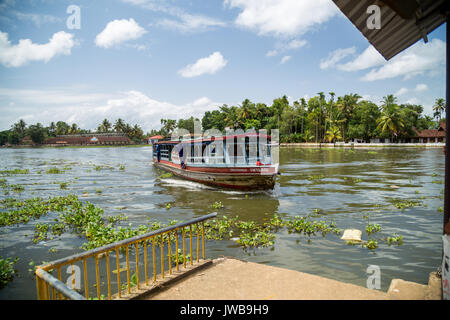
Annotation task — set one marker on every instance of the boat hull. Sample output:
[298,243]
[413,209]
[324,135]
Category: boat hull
[245,178]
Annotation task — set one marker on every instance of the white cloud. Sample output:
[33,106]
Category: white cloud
[183,22]
[210,65]
[336,56]
[271,53]
[401,92]
[282,17]
[413,101]
[368,59]
[37,19]
[419,59]
[296,44]
[421,87]
[119,31]
[26,51]
[285,46]
[190,23]
[89,109]
[285,59]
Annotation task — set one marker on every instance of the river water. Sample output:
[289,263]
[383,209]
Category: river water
[346,185]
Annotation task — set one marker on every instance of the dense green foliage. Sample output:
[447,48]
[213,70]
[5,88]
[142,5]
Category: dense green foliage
[7,271]
[38,133]
[319,119]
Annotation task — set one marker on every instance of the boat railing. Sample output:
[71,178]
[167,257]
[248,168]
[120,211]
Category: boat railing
[52,287]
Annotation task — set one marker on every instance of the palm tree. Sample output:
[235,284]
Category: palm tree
[346,106]
[439,109]
[119,125]
[333,134]
[388,101]
[106,125]
[391,120]
[74,129]
[20,128]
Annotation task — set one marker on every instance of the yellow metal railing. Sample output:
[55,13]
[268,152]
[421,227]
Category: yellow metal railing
[50,287]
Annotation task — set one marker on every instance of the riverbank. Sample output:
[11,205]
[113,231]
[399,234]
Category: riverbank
[232,279]
[363,145]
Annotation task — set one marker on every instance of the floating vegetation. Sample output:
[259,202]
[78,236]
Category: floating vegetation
[372,228]
[403,204]
[98,168]
[217,205]
[316,177]
[15,171]
[372,152]
[438,181]
[440,209]
[98,191]
[395,239]
[306,226]
[63,185]
[351,179]
[166,175]
[7,271]
[168,206]
[178,257]
[370,244]
[32,208]
[122,168]
[55,170]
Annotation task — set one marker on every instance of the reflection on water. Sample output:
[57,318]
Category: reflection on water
[346,185]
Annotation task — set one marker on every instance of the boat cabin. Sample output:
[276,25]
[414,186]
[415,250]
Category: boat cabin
[234,150]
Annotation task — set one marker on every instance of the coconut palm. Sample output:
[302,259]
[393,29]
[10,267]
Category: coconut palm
[439,108]
[391,120]
[333,134]
[119,125]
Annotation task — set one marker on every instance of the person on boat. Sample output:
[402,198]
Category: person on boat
[181,156]
[158,153]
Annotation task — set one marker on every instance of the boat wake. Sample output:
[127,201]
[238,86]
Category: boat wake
[186,184]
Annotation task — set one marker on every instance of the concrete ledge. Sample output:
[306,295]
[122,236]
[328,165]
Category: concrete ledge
[232,279]
[147,291]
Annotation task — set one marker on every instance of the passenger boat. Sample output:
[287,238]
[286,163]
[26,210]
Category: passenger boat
[238,161]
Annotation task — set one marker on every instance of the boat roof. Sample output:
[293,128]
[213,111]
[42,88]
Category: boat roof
[210,139]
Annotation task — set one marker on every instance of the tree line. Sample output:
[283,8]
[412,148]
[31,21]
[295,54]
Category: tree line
[38,133]
[321,118]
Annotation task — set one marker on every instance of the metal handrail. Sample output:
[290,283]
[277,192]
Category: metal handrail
[44,279]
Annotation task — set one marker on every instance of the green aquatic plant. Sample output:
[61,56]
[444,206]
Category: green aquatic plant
[32,209]
[55,170]
[372,228]
[403,204]
[395,239]
[98,168]
[17,188]
[15,171]
[316,177]
[166,175]
[217,205]
[370,244]
[122,168]
[7,270]
[63,185]
[178,256]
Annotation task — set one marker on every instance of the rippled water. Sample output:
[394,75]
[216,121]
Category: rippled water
[352,184]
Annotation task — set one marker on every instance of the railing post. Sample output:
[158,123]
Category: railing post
[42,293]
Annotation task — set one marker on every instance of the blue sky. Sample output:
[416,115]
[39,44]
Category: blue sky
[143,60]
